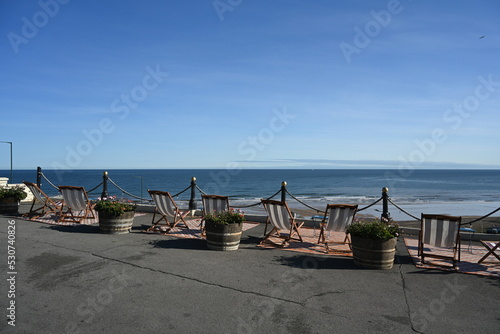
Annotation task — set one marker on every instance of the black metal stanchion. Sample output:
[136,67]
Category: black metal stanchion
[192,203]
[39,177]
[104,193]
[283,191]
[386,216]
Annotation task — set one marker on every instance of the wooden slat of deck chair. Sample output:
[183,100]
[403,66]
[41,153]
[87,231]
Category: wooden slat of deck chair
[337,218]
[492,247]
[77,203]
[211,204]
[47,204]
[281,218]
[166,207]
[441,232]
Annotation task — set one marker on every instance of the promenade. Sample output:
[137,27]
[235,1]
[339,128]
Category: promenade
[77,280]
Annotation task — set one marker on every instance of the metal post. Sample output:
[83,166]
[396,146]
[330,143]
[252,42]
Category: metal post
[283,191]
[39,177]
[385,204]
[192,203]
[104,193]
[9,142]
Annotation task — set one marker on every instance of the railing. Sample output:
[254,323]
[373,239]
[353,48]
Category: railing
[283,191]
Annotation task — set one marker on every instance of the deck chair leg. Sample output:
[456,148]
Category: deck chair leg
[265,228]
[273,230]
[179,218]
[295,229]
[155,224]
[321,238]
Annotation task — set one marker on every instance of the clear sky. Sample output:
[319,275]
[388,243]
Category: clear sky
[250,83]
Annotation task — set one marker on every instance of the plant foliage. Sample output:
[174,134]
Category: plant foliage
[115,207]
[16,191]
[225,217]
[374,229]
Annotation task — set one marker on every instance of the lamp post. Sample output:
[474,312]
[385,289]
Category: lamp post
[9,142]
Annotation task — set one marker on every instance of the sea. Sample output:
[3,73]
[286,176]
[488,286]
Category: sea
[455,192]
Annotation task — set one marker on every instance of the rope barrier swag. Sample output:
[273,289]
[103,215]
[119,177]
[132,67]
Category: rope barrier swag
[283,191]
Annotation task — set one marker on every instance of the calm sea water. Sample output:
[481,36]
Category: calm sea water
[458,192]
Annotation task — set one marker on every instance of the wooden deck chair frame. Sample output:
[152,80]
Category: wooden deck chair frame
[165,206]
[213,203]
[281,218]
[77,203]
[336,219]
[441,231]
[47,204]
[492,247]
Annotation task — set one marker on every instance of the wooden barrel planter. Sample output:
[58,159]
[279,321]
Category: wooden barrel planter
[373,254]
[116,224]
[9,205]
[223,237]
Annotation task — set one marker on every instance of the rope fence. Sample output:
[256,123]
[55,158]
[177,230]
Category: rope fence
[180,193]
[397,206]
[283,191]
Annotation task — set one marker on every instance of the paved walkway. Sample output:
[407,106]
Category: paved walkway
[76,280]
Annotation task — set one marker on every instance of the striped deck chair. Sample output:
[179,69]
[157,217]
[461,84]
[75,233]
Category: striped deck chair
[77,203]
[213,203]
[443,234]
[337,218]
[47,204]
[281,219]
[165,207]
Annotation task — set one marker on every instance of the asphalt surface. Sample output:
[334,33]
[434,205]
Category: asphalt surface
[77,280]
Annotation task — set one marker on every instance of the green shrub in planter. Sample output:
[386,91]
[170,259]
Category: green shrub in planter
[115,207]
[225,217]
[374,229]
[16,192]
[373,244]
[223,230]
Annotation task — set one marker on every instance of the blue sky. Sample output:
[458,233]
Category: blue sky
[250,84]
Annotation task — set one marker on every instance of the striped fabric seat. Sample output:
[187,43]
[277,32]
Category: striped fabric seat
[212,204]
[47,204]
[77,203]
[281,219]
[337,218]
[215,203]
[440,231]
[165,206]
